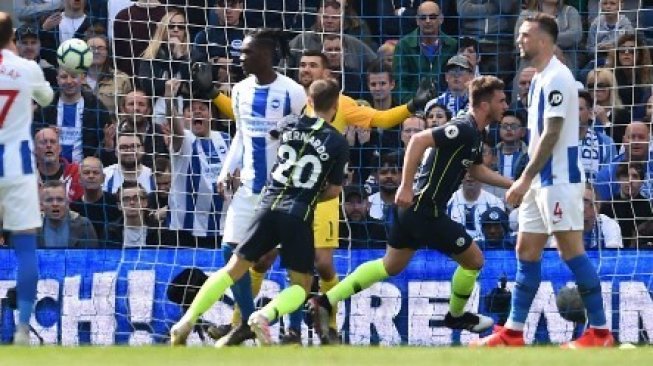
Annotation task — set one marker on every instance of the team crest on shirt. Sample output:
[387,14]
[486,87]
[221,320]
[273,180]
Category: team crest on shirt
[555,98]
[275,103]
[451,131]
[460,241]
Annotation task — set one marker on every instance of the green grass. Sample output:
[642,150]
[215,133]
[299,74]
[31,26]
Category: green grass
[314,356]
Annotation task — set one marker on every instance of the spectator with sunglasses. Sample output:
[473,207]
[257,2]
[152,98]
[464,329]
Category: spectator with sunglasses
[610,112]
[423,52]
[511,148]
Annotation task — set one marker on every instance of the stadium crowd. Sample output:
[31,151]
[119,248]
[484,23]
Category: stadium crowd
[119,170]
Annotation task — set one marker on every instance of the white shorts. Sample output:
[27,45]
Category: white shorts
[546,210]
[240,215]
[19,203]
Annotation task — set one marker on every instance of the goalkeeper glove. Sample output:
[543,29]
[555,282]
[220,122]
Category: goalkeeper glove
[202,76]
[424,93]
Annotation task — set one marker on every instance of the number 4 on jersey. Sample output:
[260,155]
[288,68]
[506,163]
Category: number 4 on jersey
[7,98]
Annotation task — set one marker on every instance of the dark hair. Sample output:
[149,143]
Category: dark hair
[378,67]
[468,42]
[515,115]
[482,89]
[623,170]
[324,93]
[546,23]
[273,39]
[6,29]
[317,53]
[391,159]
[446,110]
[128,131]
[129,185]
[584,94]
[161,166]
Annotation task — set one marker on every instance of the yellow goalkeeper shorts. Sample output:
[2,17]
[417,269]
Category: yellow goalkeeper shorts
[325,224]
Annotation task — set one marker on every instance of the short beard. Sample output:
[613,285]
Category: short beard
[388,189]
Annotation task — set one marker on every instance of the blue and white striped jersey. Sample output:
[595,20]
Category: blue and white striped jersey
[194,202]
[553,93]
[258,109]
[113,178]
[69,123]
[21,81]
[596,151]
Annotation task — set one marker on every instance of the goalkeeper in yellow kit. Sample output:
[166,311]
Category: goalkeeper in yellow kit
[312,67]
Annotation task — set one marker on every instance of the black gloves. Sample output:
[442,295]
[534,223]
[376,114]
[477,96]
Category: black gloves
[202,77]
[424,93]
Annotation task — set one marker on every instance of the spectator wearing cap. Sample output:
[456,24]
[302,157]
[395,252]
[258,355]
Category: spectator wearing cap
[496,230]
[468,47]
[59,27]
[29,47]
[423,52]
[223,39]
[364,231]
[468,203]
[458,73]
[133,29]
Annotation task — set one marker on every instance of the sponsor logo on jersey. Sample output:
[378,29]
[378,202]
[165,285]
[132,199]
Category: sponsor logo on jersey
[555,98]
[451,131]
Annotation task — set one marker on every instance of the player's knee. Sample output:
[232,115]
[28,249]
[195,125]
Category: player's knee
[265,262]
[475,263]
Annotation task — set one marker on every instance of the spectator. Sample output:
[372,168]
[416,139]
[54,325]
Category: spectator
[129,167]
[468,203]
[490,160]
[599,231]
[608,108]
[135,115]
[495,230]
[388,176]
[53,167]
[356,53]
[353,25]
[633,71]
[363,231]
[628,206]
[607,28]
[196,12]
[167,56]
[107,84]
[132,229]
[96,205]
[458,74]
[492,24]
[29,47]
[59,27]
[134,28]
[411,126]
[596,148]
[198,154]
[468,47]
[423,52]
[520,105]
[570,27]
[348,75]
[511,148]
[380,83]
[636,143]
[63,228]
[224,39]
[78,115]
[361,150]
[157,200]
[113,8]
[436,114]
[386,52]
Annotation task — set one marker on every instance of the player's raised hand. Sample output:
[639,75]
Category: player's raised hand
[516,192]
[424,93]
[404,195]
[202,75]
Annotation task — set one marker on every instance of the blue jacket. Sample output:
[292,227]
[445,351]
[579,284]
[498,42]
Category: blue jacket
[606,184]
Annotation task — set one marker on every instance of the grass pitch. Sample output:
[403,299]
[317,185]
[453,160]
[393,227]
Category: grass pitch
[314,356]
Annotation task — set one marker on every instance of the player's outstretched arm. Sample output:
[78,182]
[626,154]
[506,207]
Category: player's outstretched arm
[489,176]
[202,75]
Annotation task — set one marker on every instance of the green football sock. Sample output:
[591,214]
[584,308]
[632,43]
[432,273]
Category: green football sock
[462,285]
[363,277]
[211,291]
[286,302]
